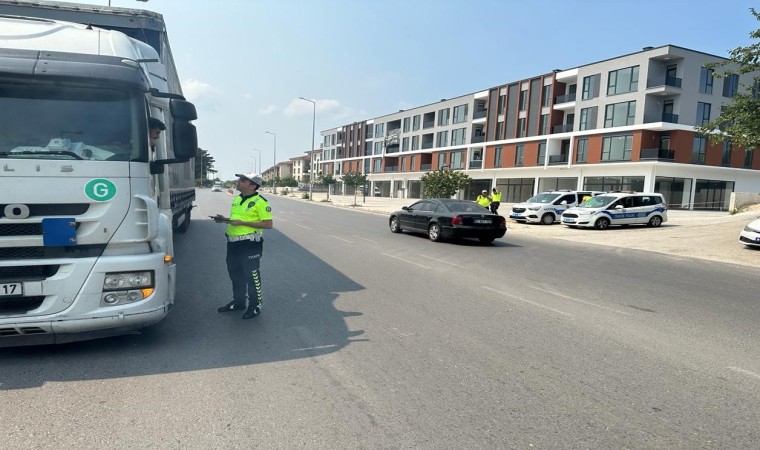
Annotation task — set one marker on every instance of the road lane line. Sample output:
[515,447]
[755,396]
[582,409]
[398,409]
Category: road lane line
[585,302]
[340,239]
[370,240]
[302,226]
[406,261]
[525,300]
[744,372]
[443,262]
[322,226]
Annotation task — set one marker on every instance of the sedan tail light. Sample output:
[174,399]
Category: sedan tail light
[457,220]
[502,220]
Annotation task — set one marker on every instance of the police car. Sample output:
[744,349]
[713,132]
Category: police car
[750,235]
[547,207]
[618,208]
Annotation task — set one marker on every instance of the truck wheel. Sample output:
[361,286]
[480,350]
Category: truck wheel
[547,219]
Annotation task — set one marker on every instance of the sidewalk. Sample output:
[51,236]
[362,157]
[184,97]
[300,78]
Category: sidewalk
[710,235]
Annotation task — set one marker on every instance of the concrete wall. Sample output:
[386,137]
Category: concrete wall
[741,199]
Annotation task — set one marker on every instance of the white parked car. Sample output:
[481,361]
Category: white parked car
[750,235]
[618,208]
[217,187]
[547,207]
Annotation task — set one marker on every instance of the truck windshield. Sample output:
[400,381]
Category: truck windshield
[58,122]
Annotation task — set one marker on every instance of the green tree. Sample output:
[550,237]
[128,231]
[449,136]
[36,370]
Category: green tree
[327,180]
[354,180]
[204,165]
[288,182]
[740,119]
[444,183]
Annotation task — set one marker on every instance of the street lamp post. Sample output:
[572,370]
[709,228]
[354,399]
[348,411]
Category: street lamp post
[259,166]
[274,165]
[311,150]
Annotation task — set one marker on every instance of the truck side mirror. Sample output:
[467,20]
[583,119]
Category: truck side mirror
[185,140]
[182,110]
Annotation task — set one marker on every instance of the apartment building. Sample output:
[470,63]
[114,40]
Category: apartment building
[626,123]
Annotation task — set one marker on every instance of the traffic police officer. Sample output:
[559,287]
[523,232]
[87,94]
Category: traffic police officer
[249,216]
[483,199]
[495,200]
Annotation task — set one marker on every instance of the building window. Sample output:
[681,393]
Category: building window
[406,125]
[378,148]
[623,80]
[497,157]
[698,150]
[706,80]
[519,154]
[412,167]
[617,148]
[703,113]
[523,103]
[730,85]
[500,130]
[620,114]
[416,122]
[403,164]
[582,152]
[546,95]
[458,136]
[443,139]
[587,119]
[441,160]
[591,86]
[405,144]
[748,158]
[415,142]
[502,104]
[457,160]
[541,153]
[376,165]
[379,129]
[543,124]
[726,158]
[443,117]
[521,127]
[460,114]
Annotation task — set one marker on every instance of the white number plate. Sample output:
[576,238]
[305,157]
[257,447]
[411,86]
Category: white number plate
[482,221]
[568,220]
[11,289]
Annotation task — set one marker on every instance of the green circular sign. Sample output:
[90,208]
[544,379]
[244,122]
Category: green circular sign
[100,189]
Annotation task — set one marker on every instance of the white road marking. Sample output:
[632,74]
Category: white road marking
[319,347]
[525,300]
[585,302]
[340,239]
[322,226]
[370,240]
[406,260]
[442,261]
[302,226]
[744,372]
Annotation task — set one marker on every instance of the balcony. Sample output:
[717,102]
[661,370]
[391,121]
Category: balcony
[428,124]
[476,164]
[566,128]
[567,98]
[657,153]
[425,167]
[390,169]
[479,114]
[667,81]
[664,117]
[478,139]
[427,145]
[557,159]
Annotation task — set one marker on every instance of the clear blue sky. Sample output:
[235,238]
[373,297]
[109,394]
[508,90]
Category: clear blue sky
[245,62]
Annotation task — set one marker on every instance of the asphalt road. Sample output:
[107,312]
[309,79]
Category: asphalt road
[375,340]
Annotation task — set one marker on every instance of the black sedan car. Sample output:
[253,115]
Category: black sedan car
[442,218]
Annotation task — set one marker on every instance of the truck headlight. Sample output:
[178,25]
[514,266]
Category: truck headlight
[126,287]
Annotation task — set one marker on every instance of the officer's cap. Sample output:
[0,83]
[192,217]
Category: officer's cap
[253,177]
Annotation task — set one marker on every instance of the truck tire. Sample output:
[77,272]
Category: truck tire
[186,224]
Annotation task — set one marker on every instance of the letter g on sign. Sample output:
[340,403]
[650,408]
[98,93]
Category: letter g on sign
[100,190]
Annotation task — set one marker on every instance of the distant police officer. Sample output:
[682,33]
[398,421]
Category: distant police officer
[495,200]
[483,199]
[249,216]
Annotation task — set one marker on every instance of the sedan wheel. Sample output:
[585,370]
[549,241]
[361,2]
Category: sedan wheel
[655,221]
[602,223]
[434,232]
[395,227]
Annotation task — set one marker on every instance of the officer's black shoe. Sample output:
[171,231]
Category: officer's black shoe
[231,306]
[252,312]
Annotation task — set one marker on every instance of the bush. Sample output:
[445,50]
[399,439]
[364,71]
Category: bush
[305,196]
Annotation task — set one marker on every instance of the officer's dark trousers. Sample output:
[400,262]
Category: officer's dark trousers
[495,206]
[243,266]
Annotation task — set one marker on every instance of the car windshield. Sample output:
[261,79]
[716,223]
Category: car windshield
[59,122]
[466,207]
[542,198]
[597,202]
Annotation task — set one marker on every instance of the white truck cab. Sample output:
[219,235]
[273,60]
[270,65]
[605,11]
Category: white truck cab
[547,207]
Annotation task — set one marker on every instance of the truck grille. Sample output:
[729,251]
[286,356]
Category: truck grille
[79,251]
[52,209]
[20,305]
[28,273]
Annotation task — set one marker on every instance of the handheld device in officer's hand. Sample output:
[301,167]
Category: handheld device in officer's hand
[220,218]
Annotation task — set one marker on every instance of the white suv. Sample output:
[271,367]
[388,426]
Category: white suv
[547,207]
[618,208]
